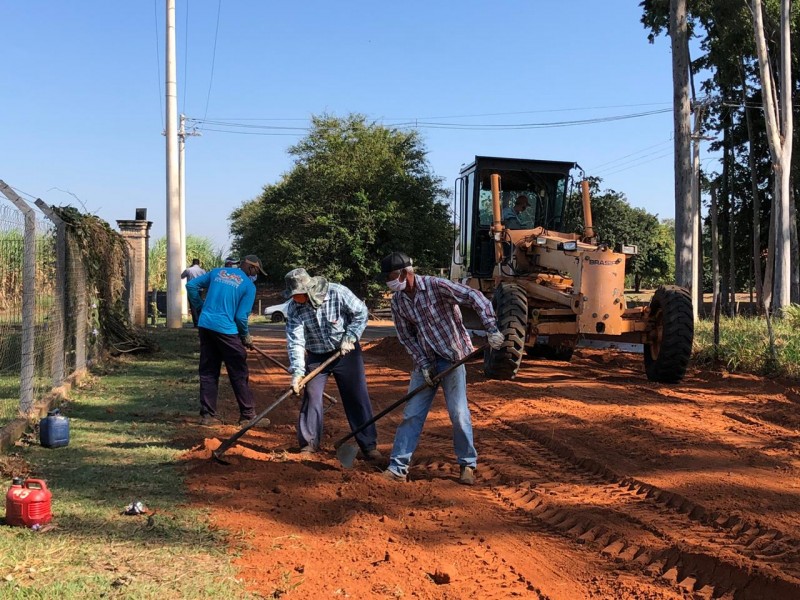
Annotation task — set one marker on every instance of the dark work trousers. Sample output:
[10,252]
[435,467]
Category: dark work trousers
[348,371]
[195,314]
[216,348]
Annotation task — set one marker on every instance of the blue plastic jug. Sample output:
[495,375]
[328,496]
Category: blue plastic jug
[54,430]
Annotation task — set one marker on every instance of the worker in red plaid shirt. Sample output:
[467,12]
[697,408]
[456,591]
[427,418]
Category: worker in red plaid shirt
[430,327]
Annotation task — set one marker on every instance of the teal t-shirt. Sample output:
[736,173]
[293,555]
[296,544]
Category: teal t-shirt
[229,300]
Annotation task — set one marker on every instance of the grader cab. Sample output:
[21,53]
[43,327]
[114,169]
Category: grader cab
[552,289]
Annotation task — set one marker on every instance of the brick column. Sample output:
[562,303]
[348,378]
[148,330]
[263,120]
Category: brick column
[137,233]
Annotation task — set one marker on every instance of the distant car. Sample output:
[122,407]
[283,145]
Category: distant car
[277,312]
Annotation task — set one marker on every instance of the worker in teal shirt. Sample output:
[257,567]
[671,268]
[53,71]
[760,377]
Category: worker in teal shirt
[224,334]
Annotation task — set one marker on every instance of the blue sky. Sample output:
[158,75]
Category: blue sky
[81,106]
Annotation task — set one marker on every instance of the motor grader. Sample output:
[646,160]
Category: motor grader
[552,289]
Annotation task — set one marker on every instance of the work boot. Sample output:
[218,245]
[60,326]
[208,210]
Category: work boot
[210,421]
[390,475]
[373,454]
[467,475]
[308,450]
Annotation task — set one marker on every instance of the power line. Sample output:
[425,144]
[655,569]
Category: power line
[541,125]
[598,167]
[639,164]
[249,132]
[614,167]
[412,119]
[243,125]
[213,58]
[462,126]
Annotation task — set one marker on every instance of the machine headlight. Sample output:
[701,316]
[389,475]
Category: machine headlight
[541,241]
[628,249]
[568,246]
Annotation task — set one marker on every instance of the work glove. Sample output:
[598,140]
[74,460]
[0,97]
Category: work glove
[247,341]
[296,379]
[348,344]
[495,340]
[428,374]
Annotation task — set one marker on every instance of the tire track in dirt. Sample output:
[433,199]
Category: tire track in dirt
[523,532]
[634,522]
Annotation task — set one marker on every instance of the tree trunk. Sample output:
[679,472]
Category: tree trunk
[732,255]
[751,162]
[795,260]
[715,267]
[780,133]
[728,277]
[684,215]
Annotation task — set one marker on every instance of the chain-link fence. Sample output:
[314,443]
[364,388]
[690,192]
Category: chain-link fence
[44,312]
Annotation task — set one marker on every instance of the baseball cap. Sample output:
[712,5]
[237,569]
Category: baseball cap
[252,259]
[395,261]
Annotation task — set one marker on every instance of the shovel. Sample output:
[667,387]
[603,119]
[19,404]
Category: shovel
[226,445]
[331,400]
[347,453]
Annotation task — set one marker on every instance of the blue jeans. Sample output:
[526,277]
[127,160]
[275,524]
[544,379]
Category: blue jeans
[406,438]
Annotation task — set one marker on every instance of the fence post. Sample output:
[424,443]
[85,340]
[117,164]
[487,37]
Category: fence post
[28,299]
[59,316]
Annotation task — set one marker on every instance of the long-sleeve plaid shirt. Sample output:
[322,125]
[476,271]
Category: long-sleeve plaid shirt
[429,324]
[322,329]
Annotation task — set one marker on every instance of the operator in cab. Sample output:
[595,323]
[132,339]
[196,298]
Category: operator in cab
[513,217]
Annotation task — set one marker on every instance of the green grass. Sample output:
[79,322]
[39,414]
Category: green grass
[120,450]
[744,344]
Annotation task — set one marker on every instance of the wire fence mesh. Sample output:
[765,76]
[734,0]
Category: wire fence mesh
[11,251]
[44,310]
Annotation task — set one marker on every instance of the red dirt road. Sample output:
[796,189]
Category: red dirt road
[592,483]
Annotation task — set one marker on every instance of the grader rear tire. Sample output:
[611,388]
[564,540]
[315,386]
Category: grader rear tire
[511,308]
[669,346]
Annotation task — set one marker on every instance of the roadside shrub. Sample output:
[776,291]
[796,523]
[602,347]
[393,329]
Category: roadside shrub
[744,345]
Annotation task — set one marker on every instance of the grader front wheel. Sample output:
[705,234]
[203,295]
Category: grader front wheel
[511,308]
[670,334]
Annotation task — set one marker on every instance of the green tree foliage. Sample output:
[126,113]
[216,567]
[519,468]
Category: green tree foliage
[196,247]
[617,222]
[357,191]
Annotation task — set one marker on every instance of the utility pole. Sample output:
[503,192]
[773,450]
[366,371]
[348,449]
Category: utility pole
[174,314]
[182,204]
[182,134]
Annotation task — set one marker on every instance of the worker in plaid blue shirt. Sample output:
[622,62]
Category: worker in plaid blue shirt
[429,325]
[321,319]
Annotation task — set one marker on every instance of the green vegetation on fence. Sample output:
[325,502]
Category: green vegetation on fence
[121,450]
[744,344]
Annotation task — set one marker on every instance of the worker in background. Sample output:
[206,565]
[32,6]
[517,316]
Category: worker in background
[225,335]
[188,274]
[513,217]
[231,261]
[321,319]
[429,325]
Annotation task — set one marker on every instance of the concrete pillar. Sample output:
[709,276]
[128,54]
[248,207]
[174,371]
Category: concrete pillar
[137,234]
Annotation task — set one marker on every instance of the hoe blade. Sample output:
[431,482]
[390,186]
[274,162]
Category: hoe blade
[346,454]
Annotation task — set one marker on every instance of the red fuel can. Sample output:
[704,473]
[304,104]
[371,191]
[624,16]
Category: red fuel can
[28,503]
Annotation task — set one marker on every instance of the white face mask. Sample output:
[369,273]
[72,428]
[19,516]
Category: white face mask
[253,278]
[396,285]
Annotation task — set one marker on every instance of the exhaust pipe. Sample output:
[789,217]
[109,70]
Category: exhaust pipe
[497,215]
[588,229]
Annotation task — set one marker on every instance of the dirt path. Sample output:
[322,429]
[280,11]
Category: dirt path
[592,483]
